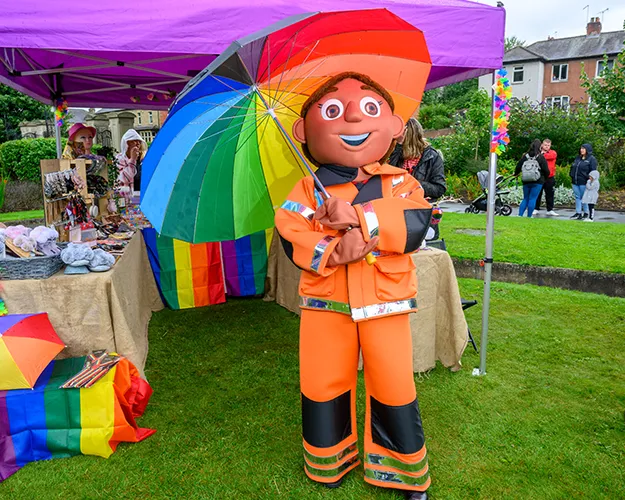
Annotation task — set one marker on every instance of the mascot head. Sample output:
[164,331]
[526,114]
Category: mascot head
[348,121]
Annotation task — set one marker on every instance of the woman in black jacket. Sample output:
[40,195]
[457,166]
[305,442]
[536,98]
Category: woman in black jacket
[421,160]
[580,171]
[534,170]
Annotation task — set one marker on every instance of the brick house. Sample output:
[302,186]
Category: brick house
[550,70]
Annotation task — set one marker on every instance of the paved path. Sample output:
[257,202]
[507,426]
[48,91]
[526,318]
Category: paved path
[563,213]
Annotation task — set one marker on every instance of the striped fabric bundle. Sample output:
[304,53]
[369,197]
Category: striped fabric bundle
[187,275]
[245,263]
[195,275]
[49,422]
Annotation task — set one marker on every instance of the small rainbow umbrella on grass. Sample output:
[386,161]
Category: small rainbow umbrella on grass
[28,343]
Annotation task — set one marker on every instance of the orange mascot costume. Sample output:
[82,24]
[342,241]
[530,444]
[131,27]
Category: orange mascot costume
[347,129]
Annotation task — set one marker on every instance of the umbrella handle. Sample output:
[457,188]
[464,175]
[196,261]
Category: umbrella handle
[370,258]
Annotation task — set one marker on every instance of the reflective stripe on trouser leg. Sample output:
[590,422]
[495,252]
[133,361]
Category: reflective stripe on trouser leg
[395,453]
[328,374]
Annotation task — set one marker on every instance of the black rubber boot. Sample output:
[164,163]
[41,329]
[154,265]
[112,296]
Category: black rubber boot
[333,485]
[416,495]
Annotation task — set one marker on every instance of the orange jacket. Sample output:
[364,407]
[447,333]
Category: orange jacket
[392,206]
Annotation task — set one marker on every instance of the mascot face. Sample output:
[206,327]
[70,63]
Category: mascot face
[351,125]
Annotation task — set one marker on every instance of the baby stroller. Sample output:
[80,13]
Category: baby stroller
[480,203]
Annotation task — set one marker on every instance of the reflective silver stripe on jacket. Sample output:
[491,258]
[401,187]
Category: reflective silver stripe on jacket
[325,305]
[371,219]
[303,210]
[377,310]
[320,249]
[359,313]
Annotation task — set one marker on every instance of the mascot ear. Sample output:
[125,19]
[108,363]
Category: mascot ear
[299,131]
[398,126]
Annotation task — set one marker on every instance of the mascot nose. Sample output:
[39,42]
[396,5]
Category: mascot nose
[352,112]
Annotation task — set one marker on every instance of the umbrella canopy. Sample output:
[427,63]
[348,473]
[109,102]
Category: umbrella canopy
[223,161]
[118,52]
[28,343]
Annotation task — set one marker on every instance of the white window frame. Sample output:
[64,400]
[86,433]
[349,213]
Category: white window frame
[139,118]
[597,71]
[520,69]
[561,100]
[150,117]
[553,71]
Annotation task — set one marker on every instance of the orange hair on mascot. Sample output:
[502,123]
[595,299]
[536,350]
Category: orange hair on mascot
[348,128]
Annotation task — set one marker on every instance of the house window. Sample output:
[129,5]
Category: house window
[150,117]
[517,74]
[601,65]
[139,117]
[559,72]
[560,101]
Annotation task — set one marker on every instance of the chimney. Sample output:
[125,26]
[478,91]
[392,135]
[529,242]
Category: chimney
[593,28]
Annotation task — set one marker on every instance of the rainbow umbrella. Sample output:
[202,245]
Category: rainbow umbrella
[28,343]
[224,159]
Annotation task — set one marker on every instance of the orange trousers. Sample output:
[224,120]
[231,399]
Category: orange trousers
[395,455]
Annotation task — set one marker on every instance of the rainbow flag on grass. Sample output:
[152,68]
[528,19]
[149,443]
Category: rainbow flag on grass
[48,422]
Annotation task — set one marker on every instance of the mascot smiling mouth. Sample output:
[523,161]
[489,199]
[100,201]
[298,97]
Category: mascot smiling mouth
[355,140]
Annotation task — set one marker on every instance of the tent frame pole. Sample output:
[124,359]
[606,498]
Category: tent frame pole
[490,234]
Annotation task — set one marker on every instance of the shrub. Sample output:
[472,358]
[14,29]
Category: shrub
[562,176]
[567,129]
[435,116]
[20,159]
[562,195]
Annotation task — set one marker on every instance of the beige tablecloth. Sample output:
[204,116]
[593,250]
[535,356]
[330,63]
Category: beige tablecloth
[439,329]
[97,310]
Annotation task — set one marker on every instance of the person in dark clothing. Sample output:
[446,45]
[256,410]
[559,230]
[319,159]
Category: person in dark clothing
[535,171]
[421,160]
[415,155]
[580,171]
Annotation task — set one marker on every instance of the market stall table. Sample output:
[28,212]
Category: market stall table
[439,329]
[108,310]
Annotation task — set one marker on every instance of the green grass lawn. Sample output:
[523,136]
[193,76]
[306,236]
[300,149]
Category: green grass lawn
[30,214]
[539,242]
[546,422]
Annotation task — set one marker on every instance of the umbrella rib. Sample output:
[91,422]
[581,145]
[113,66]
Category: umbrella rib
[222,131]
[301,66]
[235,90]
[239,146]
[282,74]
[292,91]
[242,115]
[247,127]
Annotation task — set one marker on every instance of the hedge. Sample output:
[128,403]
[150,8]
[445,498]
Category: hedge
[20,159]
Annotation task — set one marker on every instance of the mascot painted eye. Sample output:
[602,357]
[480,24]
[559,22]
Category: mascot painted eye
[332,109]
[370,107]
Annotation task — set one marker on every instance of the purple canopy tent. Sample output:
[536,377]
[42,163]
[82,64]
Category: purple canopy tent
[120,52]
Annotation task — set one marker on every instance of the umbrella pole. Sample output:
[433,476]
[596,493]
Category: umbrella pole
[272,113]
[488,254]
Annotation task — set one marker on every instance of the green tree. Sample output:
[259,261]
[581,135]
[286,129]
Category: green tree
[513,42]
[607,95]
[16,107]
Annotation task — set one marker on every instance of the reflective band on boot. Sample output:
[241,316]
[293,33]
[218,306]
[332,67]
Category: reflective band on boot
[396,478]
[332,474]
[328,461]
[414,468]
